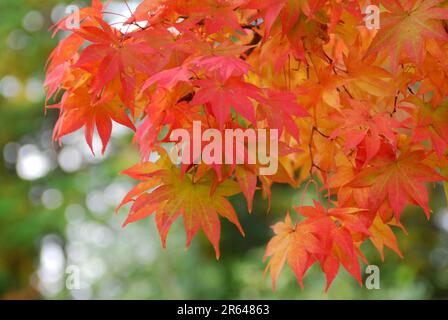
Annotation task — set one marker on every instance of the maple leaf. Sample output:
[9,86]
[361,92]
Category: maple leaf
[164,109]
[325,91]
[405,27]
[169,78]
[59,62]
[374,135]
[287,10]
[325,236]
[222,95]
[399,181]
[434,66]
[337,227]
[360,124]
[225,65]
[248,184]
[147,9]
[367,76]
[221,14]
[78,110]
[278,49]
[294,244]
[115,55]
[176,196]
[382,235]
[280,109]
[429,123]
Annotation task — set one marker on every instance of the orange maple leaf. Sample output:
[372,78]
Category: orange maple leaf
[399,181]
[405,27]
[170,196]
[292,243]
[78,110]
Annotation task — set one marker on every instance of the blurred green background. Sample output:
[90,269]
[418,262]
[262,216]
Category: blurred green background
[57,203]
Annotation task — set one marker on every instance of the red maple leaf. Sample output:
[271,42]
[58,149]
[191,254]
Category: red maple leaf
[399,180]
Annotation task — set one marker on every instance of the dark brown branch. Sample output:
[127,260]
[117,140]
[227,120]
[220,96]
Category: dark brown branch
[186,98]
[310,148]
[321,133]
[255,40]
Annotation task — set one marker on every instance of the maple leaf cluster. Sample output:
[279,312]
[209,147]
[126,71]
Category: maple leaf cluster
[362,112]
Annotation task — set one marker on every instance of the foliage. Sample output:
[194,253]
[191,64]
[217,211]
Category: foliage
[360,111]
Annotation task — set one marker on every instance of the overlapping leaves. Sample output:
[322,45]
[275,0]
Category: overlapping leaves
[362,111]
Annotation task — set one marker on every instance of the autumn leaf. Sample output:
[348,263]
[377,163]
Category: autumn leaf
[325,236]
[78,110]
[400,181]
[288,11]
[362,112]
[281,110]
[429,123]
[382,235]
[114,56]
[294,244]
[220,96]
[175,197]
[405,27]
[337,228]
[361,124]
[248,184]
